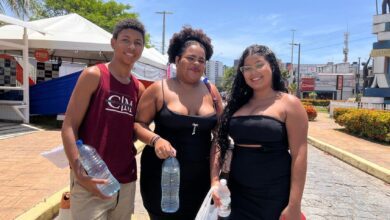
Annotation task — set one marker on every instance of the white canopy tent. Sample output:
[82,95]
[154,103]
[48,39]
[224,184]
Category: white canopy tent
[71,37]
[22,109]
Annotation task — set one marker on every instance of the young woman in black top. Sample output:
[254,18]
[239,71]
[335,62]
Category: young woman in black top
[269,130]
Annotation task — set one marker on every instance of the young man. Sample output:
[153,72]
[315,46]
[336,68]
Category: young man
[101,112]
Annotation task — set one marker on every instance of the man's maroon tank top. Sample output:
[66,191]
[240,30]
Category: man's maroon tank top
[109,124]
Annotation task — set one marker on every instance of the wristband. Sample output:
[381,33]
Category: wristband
[154,140]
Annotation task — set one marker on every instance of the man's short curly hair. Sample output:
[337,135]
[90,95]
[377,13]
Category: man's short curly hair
[187,37]
[130,23]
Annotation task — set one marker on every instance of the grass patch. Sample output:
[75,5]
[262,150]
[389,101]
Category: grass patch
[323,109]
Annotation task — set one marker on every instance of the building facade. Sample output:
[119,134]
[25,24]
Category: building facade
[331,81]
[214,71]
[328,81]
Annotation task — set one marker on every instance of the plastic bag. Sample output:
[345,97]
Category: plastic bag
[207,211]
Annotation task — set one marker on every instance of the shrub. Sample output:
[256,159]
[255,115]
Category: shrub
[316,102]
[337,112]
[311,112]
[373,124]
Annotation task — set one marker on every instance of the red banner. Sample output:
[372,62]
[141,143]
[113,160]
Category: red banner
[339,83]
[307,84]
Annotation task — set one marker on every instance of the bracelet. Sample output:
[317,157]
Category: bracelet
[154,140]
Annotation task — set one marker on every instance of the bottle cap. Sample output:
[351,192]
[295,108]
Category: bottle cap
[223,182]
[79,142]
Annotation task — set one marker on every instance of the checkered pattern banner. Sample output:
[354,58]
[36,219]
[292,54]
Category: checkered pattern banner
[47,71]
[7,72]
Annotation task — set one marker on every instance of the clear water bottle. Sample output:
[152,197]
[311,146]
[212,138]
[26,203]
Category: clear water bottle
[224,195]
[170,184]
[97,168]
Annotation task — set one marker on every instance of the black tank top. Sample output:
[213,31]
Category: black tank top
[263,130]
[189,135]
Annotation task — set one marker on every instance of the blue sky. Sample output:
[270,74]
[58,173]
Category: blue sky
[234,25]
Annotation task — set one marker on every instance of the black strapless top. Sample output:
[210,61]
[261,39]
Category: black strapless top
[263,130]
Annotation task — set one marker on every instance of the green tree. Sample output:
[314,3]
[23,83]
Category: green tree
[228,77]
[285,74]
[19,7]
[103,14]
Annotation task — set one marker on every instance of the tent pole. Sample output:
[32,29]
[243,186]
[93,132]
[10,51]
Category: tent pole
[26,94]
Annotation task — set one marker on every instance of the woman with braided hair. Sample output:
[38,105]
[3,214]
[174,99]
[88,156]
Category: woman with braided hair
[269,130]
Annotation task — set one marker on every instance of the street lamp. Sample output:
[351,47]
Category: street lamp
[299,63]
[358,77]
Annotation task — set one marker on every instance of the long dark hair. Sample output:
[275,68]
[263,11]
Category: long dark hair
[241,93]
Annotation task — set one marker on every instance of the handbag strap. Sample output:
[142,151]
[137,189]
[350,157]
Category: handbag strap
[214,97]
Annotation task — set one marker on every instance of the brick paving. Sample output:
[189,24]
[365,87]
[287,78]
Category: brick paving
[26,177]
[336,190]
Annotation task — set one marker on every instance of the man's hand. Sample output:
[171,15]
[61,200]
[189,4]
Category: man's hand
[89,183]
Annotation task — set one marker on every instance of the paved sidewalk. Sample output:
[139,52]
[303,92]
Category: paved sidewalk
[29,180]
[371,157]
[26,177]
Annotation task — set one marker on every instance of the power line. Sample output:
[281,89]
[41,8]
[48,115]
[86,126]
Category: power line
[336,44]
[331,36]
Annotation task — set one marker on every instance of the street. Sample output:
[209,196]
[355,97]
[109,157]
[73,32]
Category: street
[335,190]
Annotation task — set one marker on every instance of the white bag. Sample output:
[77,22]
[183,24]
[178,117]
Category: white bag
[207,211]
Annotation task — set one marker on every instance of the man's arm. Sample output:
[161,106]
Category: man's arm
[77,107]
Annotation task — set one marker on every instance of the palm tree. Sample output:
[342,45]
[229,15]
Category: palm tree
[19,7]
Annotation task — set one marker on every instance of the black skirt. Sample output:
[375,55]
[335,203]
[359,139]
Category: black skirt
[194,185]
[259,183]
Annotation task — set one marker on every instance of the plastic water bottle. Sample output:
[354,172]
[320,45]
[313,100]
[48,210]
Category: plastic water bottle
[170,184]
[224,195]
[97,168]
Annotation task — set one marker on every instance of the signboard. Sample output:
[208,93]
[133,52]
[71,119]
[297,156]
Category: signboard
[339,83]
[41,55]
[307,84]
[380,53]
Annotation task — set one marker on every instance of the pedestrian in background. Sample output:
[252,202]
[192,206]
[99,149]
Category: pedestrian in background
[101,112]
[269,130]
[184,110]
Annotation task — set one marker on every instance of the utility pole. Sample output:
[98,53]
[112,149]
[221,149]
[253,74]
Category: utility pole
[376,1]
[358,77]
[292,54]
[163,33]
[299,63]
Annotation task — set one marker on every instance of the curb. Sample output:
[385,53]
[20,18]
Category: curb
[356,161]
[50,207]
[46,209]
